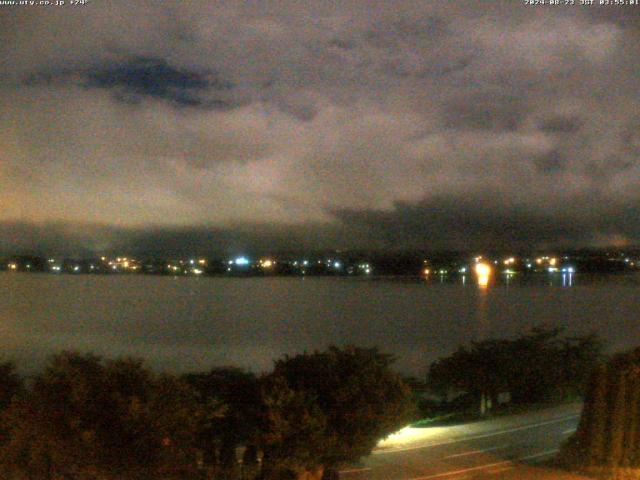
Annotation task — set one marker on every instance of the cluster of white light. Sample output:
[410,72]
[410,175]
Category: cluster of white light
[241,261]
[366,267]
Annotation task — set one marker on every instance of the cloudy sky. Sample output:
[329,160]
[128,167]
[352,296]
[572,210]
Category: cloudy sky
[222,125]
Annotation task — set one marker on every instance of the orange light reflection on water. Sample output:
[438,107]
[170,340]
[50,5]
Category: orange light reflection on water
[483,272]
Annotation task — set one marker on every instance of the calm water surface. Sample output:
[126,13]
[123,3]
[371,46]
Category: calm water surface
[181,324]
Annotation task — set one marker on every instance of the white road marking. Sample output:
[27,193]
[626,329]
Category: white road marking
[475,437]
[488,465]
[464,470]
[538,455]
[354,470]
[474,452]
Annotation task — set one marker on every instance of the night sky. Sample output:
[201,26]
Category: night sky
[185,126]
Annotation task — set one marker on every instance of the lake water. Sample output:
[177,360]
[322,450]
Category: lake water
[182,324]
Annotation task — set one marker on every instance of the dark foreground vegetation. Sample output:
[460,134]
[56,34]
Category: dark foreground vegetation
[86,418]
[538,367]
[607,441]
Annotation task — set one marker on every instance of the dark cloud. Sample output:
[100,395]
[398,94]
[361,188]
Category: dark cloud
[85,240]
[154,78]
[492,223]
[56,238]
[474,222]
[135,79]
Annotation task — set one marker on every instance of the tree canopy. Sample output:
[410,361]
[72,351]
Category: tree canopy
[10,384]
[331,407]
[84,417]
[231,398]
[607,441]
[533,367]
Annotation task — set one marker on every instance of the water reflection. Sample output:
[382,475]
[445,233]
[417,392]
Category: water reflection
[567,279]
[508,277]
[483,272]
[482,315]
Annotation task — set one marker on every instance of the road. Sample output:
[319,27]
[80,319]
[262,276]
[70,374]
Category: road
[504,447]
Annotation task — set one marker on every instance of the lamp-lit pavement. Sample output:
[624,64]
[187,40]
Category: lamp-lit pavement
[510,447]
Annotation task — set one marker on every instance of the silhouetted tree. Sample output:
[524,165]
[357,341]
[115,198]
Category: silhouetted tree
[327,408]
[10,384]
[231,399]
[293,431]
[85,418]
[533,367]
[607,441]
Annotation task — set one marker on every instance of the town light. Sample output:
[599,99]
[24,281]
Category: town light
[242,261]
[483,271]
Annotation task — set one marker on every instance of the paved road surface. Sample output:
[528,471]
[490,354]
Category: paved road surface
[505,447]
